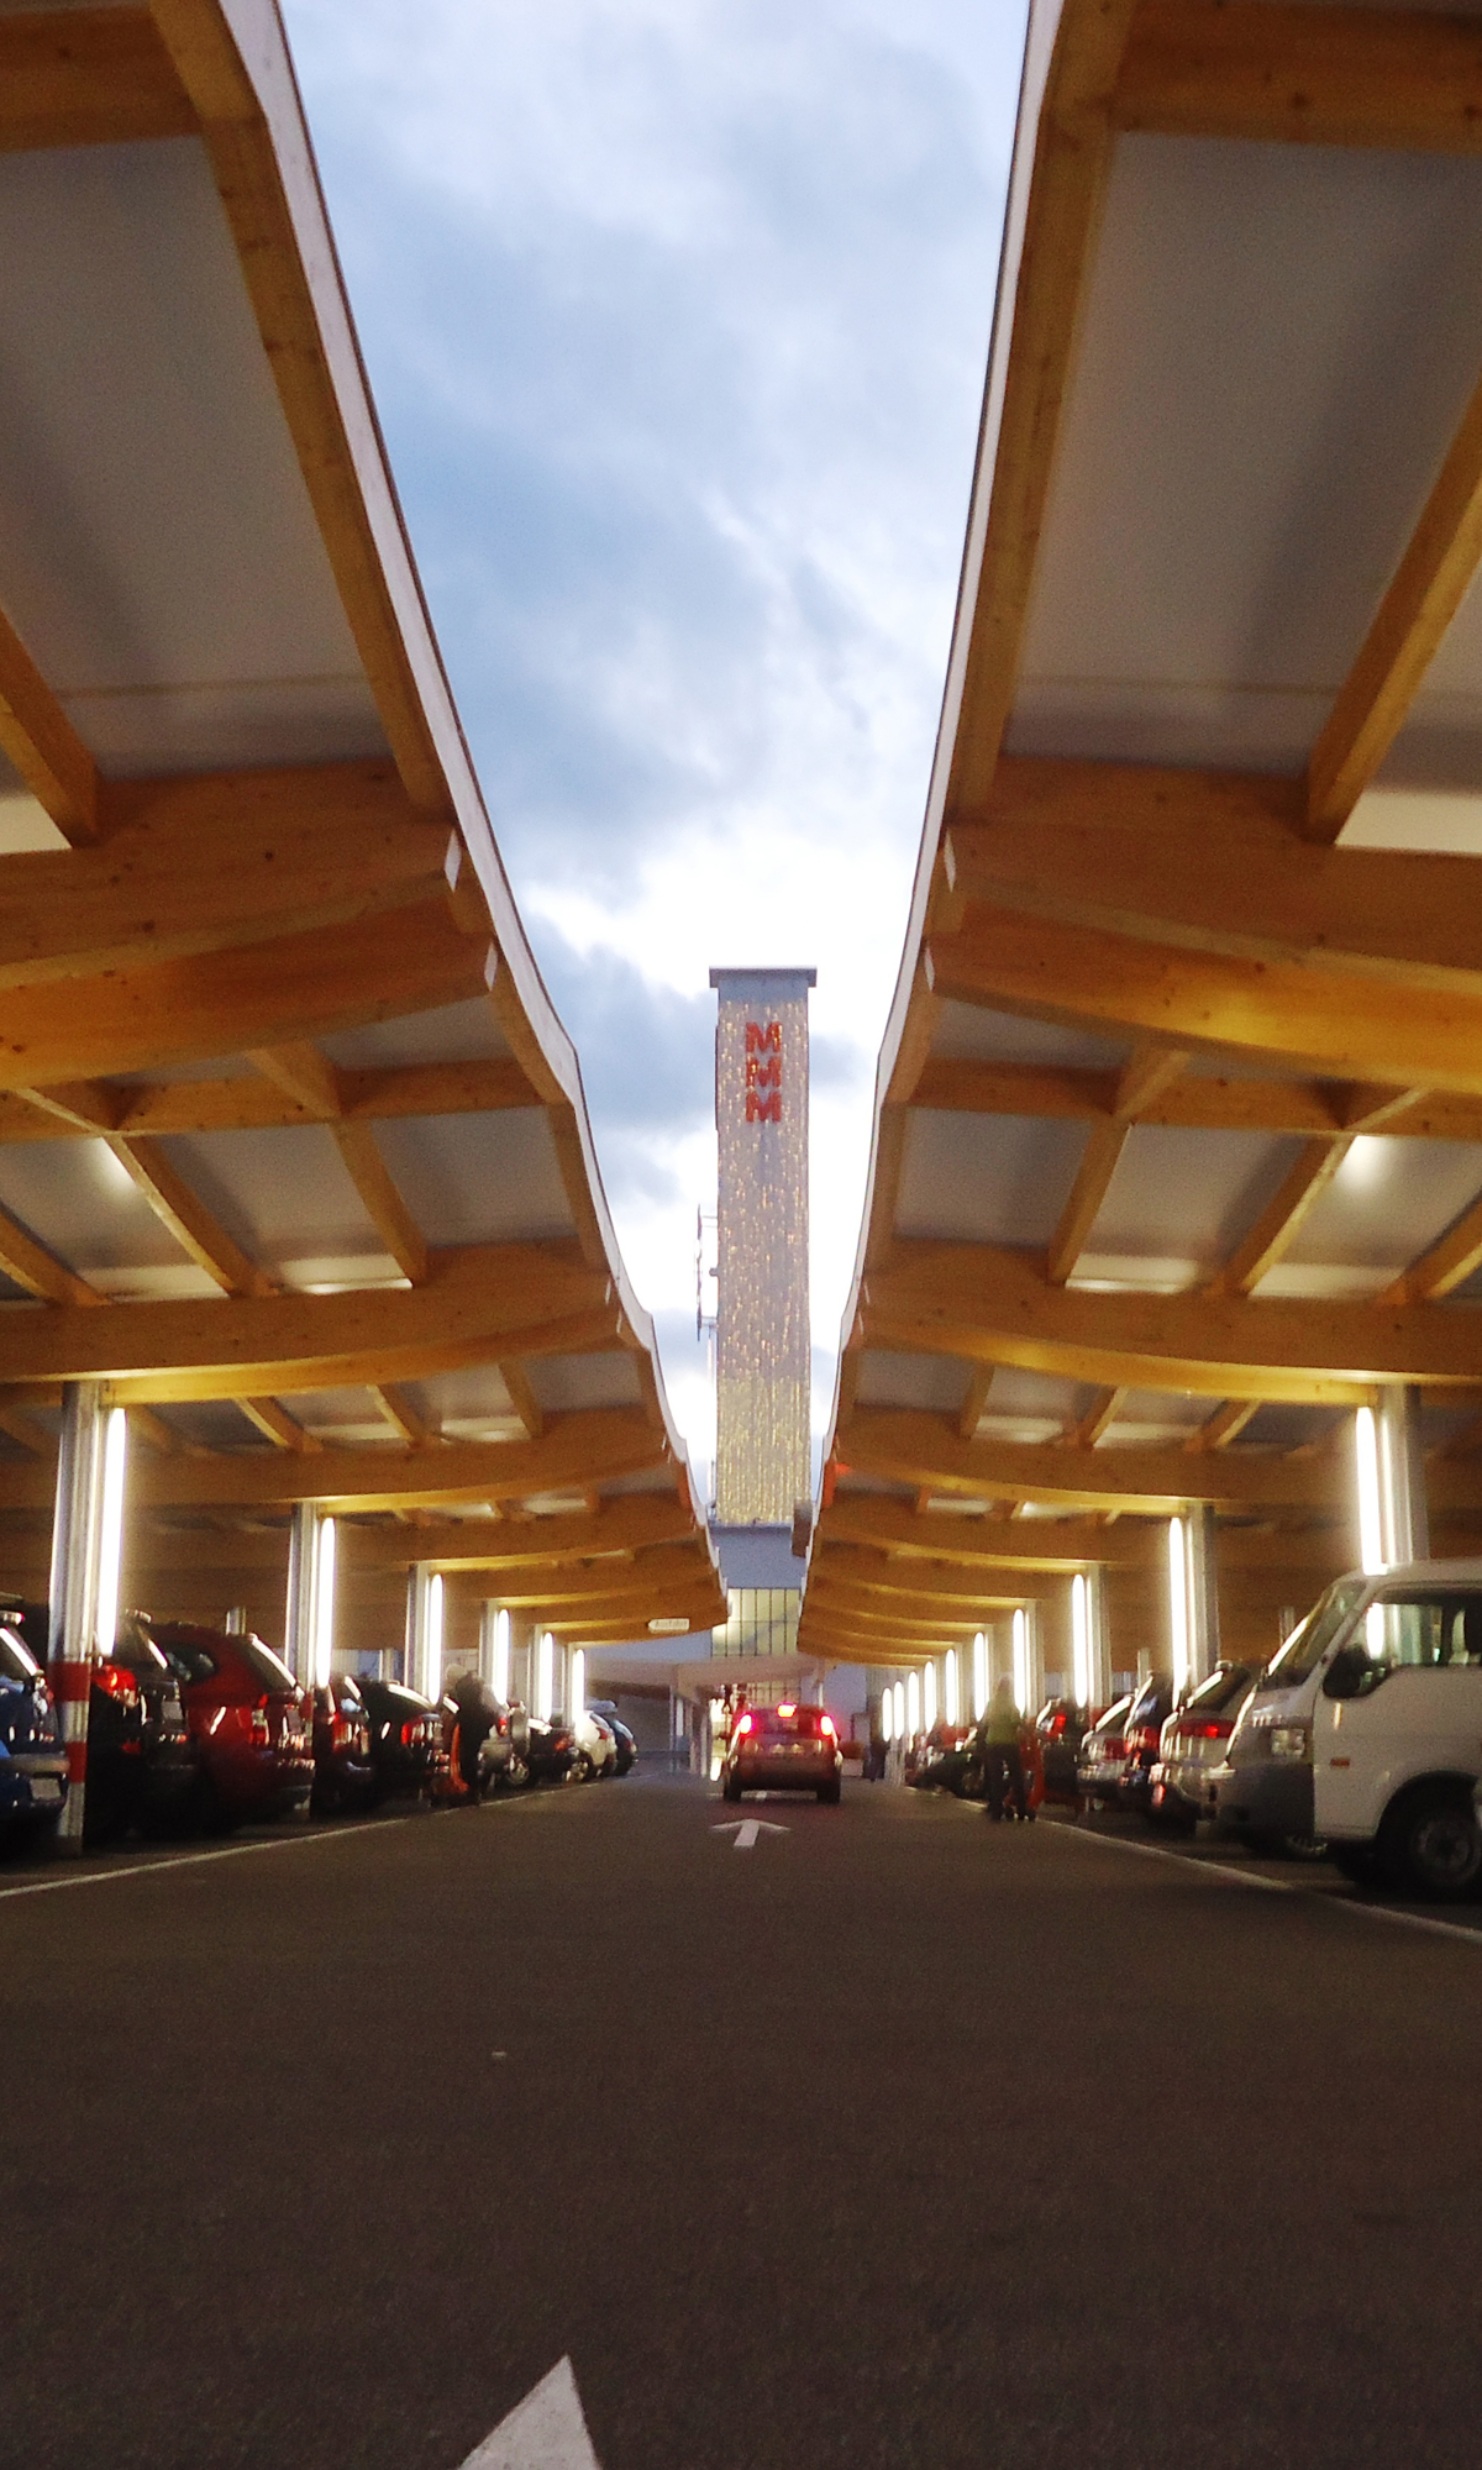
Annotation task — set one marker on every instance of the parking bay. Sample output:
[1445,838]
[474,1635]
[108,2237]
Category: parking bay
[906,2139]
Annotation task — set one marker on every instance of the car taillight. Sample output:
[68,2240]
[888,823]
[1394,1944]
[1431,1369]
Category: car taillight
[409,1732]
[115,1682]
[1142,1737]
[743,1724]
[1206,1732]
[827,1729]
[258,1722]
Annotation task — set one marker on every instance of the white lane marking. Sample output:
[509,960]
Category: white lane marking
[1279,1886]
[186,1861]
[746,1831]
[545,2431]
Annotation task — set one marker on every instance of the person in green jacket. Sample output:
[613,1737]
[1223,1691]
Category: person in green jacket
[1003,1764]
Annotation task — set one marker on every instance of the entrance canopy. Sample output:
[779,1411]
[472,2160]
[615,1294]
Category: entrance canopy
[1178,1147]
[294,1159]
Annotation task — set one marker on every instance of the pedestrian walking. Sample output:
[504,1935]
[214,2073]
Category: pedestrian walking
[1003,1760]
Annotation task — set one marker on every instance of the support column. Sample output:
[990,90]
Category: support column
[75,1554]
[425,1629]
[1101,1657]
[494,1649]
[308,1627]
[1204,1592]
[1403,1512]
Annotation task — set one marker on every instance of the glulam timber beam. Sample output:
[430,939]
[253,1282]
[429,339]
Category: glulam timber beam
[968,1542]
[194,1227]
[1199,1102]
[210,861]
[473,1299]
[1338,76]
[37,735]
[575,1450]
[628,1524]
[297,987]
[904,1446]
[1281,1221]
[1212,862]
[382,1199]
[1053,226]
[87,77]
[855,1568]
[984,1304]
[1354,1025]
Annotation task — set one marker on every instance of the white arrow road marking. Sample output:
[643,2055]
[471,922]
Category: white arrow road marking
[545,2431]
[746,1831]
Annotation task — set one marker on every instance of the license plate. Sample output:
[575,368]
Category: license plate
[46,1788]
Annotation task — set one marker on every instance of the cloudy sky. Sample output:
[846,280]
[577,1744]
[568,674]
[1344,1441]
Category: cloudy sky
[676,314]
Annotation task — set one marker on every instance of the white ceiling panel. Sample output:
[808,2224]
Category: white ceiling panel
[162,563]
[479,1179]
[1187,1196]
[75,1198]
[566,1383]
[287,1199]
[995,1179]
[935,1382]
[451,1033]
[971,1032]
[1278,344]
[1388,1201]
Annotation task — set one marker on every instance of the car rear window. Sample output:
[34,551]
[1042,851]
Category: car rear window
[17,1663]
[192,1661]
[1220,1690]
[269,1668]
[804,1723]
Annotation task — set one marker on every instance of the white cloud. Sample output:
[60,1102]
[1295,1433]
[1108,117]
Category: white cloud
[676,316]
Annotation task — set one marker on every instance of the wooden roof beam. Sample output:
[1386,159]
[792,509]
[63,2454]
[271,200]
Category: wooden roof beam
[35,732]
[628,1523]
[907,1447]
[382,1198]
[576,1449]
[1306,75]
[991,1306]
[1196,1103]
[966,1541]
[230,1002]
[87,77]
[193,1226]
[1355,1026]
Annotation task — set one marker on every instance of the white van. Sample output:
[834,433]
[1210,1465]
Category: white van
[1366,1730]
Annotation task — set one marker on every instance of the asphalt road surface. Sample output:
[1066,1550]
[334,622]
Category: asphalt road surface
[897,2139]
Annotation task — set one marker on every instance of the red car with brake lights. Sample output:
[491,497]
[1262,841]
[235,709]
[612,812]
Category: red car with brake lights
[249,1719]
[783,1749]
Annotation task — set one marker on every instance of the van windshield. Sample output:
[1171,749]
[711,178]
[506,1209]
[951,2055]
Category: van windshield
[1311,1639]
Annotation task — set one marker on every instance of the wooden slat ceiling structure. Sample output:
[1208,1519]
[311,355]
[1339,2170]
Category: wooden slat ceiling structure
[293,1151]
[1178,1144]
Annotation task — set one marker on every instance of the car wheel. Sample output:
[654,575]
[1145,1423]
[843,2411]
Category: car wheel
[731,1788]
[1432,1844]
[580,1770]
[829,1792]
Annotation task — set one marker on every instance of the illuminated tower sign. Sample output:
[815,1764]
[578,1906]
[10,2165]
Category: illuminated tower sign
[763,1339]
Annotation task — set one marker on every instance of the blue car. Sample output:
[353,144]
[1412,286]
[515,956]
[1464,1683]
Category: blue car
[33,1763]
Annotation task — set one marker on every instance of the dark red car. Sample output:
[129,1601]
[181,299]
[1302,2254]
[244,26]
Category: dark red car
[249,1719]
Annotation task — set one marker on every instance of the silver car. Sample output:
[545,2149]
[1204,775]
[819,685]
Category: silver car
[1193,1742]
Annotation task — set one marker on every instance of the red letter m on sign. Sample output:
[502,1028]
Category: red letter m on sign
[764,1072]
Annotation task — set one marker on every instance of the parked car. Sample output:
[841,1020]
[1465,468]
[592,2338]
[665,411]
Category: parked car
[947,1762]
[1152,1705]
[1061,1728]
[1193,1744]
[627,1747]
[1365,1732]
[546,1745]
[407,1749]
[791,1748]
[1103,1754]
[142,1769]
[33,1761]
[596,1746]
[250,1722]
[344,1770]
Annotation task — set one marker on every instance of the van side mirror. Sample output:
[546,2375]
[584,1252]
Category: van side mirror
[1349,1674]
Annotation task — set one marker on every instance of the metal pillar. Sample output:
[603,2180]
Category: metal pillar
[424,1629]
[303,1590]
[76,1551]
[1202,1563]
[1404,1517]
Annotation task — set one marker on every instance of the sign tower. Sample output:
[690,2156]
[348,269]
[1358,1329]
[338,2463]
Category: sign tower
[763,1337]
